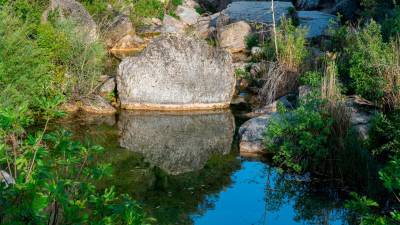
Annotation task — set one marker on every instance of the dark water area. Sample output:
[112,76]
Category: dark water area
[186,169]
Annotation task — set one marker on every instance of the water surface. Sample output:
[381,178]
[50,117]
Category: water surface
[186,169]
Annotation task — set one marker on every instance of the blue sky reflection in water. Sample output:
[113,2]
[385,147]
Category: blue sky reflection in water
[244,202]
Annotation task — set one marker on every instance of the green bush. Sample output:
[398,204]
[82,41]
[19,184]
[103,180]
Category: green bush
[368,54]
[299,138]
[311,78]
[251,41]
[79,62]
[384,137]
[391,25]
[26,70]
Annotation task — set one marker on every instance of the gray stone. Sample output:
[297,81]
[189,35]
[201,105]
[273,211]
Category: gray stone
[304,90]
[308,4]
[6,178]
[108,86]
[233,36]
[362,112]
[316,22]
[256,51]
[98,105]
[251,134]
[172,25]
[71,9]
[177,143]
[347,8]
[118,29]
[176,72]
[187,15]
[256,12]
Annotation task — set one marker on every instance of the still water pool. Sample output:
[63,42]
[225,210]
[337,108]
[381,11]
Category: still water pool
[186,169]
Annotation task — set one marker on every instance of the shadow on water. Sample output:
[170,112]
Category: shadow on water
[184,169]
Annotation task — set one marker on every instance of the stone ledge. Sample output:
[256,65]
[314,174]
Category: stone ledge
[175,107]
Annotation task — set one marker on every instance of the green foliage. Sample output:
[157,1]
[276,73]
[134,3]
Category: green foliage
[384,137]
[251,41]
[291,44]
[391,25]
[241,73]
[54,182]
[79,62]
[299,139]
[368,54]
[311,78]
[148,9]
[26,71]
[200,10]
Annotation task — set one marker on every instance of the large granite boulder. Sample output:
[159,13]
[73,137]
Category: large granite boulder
[176,72]
[233,36]
[177,143]
[255,11]
[71,9]
[316,22]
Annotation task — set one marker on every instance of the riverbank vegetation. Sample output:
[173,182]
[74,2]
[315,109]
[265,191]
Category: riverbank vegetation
[317,136]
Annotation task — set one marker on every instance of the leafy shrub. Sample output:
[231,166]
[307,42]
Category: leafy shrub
[251,41]
[52,175]
[367,54]
[366,210]
[26,70]
[291,44]
[311,78]
[374,65]
[79,62]
[391,25]
[299,139]
[384,137]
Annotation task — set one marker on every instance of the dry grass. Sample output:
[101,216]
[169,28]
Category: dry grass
[278,82]
[335,103]
[391,74]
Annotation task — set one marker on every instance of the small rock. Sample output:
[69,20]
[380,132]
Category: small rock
[304,90]
[187,15]
[256,51]
[6,178]
[233,36]
[120,27]
[362,112]
[108,86]
[172,25]
[251,134]
[130,43]
[98,105]
[69,107]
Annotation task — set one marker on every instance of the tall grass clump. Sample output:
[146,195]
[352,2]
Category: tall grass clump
[79,62]
[284,62]
[291,43]
[374,66]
